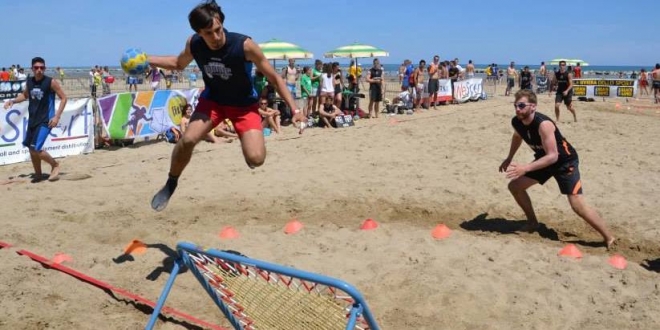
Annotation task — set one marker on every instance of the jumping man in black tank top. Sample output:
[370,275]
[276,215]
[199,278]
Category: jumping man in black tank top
[225,59]
[41,91]
[564,80]
[553,157]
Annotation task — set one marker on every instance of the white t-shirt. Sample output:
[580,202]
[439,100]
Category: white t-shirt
[21,76]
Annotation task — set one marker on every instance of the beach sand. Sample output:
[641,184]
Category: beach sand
[436,167]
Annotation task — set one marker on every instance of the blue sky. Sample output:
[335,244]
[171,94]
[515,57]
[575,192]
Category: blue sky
[88,32]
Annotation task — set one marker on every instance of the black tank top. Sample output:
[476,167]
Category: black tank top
[531,136]
[42,101]
[227,74]
[562,81]
[525,80]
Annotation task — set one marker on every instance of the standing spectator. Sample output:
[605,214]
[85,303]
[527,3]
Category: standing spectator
[655,75]
[316,83]
[155,74]
[327,84]
[577,72]
[375,80]
[306,90]
[291,75]
[511,75]
[60,71]
[419,79]
[643,82]
[4,75]
[132,83]
[338,83]
[470,70]
[434,85]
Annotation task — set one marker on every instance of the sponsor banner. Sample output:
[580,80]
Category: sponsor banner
[74,135]
[541,84]
[11,89]
[604,87]
[143,114]
[468,89]
[444,91]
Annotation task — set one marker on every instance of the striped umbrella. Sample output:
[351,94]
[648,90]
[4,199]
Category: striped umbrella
[279,50]
[356,50]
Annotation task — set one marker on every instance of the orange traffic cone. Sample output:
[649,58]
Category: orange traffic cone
[228,232]
[61,257]
[293,227]
[369,224]
[135,247]
[570,250]
[618,261]
[441,232]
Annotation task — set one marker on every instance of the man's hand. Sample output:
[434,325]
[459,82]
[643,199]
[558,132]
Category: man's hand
[53,121]
[565,93]
[8,104]
[505,165]
[515,171]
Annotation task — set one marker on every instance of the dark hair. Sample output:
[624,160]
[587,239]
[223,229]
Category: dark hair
[305,69]
[657,65]
[202,16]
[38,60]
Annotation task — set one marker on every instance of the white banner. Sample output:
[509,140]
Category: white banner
[604,87]
[468,89]
[74,135]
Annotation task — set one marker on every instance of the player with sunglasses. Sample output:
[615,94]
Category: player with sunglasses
[553,157]
[40,92]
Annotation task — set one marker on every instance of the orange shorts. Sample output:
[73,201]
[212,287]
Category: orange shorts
[244,118]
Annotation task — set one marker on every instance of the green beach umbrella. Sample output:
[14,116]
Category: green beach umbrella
[356,50]
[279,50]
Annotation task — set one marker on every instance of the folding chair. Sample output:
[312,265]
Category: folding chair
[254,294]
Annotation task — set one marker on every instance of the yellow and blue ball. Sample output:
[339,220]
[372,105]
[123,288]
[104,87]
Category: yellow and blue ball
[134,61]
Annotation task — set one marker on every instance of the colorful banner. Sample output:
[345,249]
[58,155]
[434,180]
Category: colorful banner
[142,114]
[11,89]
[74,135]
[468,90]
[604,87]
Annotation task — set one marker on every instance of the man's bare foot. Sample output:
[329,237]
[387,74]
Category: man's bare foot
[55,173]
[529,227]
[610,244]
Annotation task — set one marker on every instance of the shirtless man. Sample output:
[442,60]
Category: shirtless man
[434,85]
[419,82]
[543,72]
[469,70]
[290,75]
[511,75]
[655,75]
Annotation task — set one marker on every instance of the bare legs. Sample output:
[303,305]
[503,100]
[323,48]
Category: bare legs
[518,188]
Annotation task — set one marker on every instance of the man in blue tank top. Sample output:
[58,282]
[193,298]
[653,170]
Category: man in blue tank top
[40,92]
[553,157]
[225,60]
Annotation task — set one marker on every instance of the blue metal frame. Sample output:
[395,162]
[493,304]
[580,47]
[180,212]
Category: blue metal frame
[359,307]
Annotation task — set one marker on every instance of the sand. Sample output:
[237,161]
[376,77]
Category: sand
[436,167]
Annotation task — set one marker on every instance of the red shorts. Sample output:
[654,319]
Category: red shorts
[244,118]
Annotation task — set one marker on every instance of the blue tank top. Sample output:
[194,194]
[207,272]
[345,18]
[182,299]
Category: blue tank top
[41,107]
[227,74]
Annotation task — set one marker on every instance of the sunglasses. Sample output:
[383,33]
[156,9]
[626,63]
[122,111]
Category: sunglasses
[38,67]
[521,105]
[263,103]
